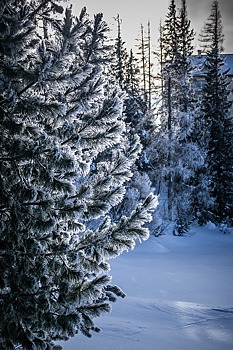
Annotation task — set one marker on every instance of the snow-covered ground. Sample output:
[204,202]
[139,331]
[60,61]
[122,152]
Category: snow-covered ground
[179,296]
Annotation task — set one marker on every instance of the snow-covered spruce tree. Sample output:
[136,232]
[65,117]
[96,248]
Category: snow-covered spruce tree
[217,121]
[177,154]
[126,74]
[56,121]
[187,182]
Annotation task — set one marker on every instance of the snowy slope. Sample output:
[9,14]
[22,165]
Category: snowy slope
[179,296]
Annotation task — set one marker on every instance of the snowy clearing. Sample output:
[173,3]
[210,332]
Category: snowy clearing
[179,296]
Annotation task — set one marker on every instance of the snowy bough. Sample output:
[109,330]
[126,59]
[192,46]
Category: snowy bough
[65,158]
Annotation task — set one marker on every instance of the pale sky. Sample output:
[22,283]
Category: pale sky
[135,12]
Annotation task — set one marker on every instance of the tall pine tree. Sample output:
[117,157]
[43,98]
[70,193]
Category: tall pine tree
[217,119]
[126,73]
[121,57]
[177,153]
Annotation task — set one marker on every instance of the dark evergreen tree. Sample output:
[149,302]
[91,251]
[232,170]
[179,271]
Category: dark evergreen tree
[176,51]
[186,34]
[132,80]
[217,120]
[142,53]
[159,56]
[58,117]
[184,64]
[170,34]
[135,106]
[150,65]
[121,57]
[211,36]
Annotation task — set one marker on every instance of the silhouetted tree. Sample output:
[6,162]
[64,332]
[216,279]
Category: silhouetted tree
[217,119]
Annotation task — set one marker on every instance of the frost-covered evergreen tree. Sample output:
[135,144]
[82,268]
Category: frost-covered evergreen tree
[217,120]
[177,154]
[59,117]
[126,73]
